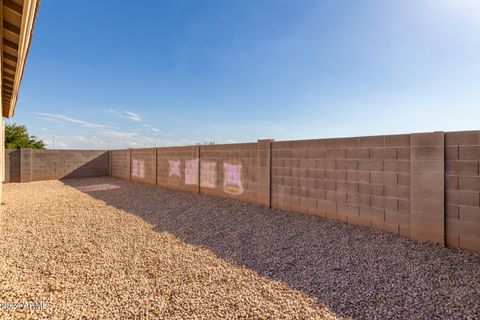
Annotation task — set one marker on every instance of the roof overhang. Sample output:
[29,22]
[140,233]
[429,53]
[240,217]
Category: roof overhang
[17,18]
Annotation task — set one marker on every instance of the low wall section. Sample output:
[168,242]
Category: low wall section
[26,165]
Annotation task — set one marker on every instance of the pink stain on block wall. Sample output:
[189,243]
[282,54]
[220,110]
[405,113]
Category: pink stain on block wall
[174,168]
[138,168]
[191,172]
[208,174]
[232,178]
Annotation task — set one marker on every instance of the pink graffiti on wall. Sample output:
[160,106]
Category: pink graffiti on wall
[232,178]
[138,168]
[174,168]
[191,172]
[208,174]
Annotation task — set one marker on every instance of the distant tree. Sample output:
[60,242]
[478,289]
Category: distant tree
[16,137]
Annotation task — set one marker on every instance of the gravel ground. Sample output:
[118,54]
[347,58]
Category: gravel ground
[107,248]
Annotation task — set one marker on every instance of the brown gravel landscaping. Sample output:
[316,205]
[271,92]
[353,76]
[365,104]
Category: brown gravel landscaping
[108,248]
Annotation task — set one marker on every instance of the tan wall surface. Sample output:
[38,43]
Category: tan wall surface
[424,186]
[12,166]
[38,165]
[120,164]
[363,181]
[177,168]
[229,170]
[143,165]
[462,184]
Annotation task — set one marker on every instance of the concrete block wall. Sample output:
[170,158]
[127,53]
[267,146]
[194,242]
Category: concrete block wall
[178,168]
[120,164]
[143,165]
[229,170]
[424,186]
[462,183]
[12,165]
[222,170]
[362,181]
[427,210]
[36,165]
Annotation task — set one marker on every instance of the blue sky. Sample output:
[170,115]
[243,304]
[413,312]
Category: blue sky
[113,74]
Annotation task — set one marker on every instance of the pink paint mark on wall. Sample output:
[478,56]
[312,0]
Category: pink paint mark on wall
[138,168]
[208,174]
[174,168]
[232,178]
[191,172]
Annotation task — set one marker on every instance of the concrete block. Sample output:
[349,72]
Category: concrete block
[462,197]
[381,202]
[335,174]
[373,141]
[358,176]
[462,168]
[336,153]
[346,186]
[359,199]
[469,152]
[403,179]
[469,214]
[403,153]
[371,189]
[427,153]
[370,165]
[316,173]
[383,153]
[327,205]
[400,166]
[358,153]
[337,196]
[326,164]
[400,140]
[347,142]
[346,164]
[452,153]
[316,154]
[460,138]
[427,139]
[372,213]
[398,192]
[468,183]
[387,178]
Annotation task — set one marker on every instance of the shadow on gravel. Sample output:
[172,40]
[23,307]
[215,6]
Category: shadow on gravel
[358,272]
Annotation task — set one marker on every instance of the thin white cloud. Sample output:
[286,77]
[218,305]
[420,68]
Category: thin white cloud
[132,116]
[126,114]
[119,134]
[75,142]
[90,142]
[48,119]
[155,129]
[125,139]
[61,117]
